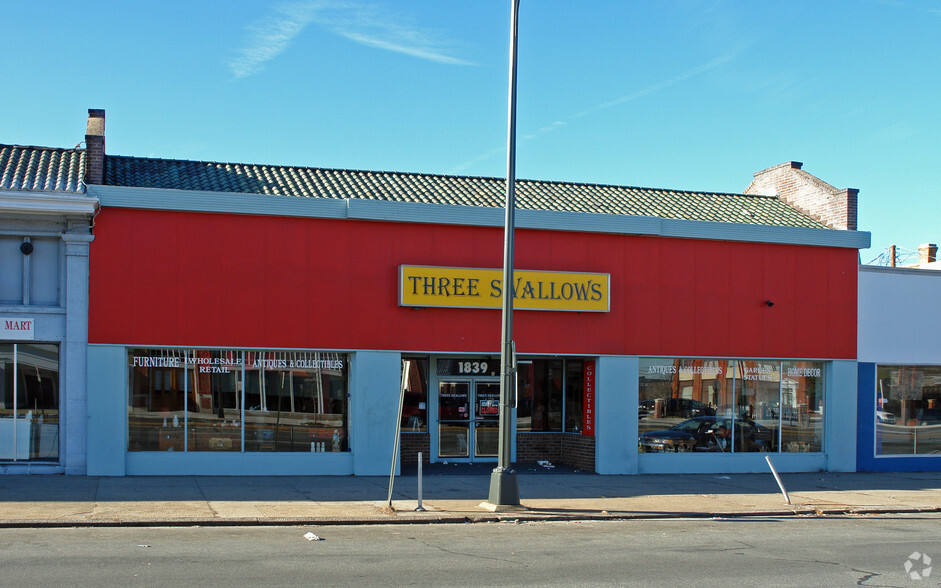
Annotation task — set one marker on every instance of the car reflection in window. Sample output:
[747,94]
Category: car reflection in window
[707,433]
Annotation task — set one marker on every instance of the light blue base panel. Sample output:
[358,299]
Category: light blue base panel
[106,435]
[840,416]
[26,469]
[155,463]
[374,409]
[747,463]
[616,415]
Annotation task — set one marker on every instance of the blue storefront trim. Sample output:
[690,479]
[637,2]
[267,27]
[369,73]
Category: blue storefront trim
[866,458]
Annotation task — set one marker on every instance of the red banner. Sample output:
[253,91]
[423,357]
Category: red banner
[588,406]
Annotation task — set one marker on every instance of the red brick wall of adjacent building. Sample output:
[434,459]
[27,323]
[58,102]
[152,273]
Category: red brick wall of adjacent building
[834,207]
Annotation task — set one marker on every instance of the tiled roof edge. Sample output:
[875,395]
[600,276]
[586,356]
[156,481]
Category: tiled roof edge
[438,175]
[358,209]
[67,180]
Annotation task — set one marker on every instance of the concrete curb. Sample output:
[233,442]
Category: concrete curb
[519,517]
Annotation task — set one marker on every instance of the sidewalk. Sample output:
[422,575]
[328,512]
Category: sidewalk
[66,501]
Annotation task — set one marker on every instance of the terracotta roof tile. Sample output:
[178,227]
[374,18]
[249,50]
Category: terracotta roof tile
[42,169]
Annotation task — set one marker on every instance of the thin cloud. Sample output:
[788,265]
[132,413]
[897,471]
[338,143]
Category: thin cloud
[718,61]
[368,25]
[478,159]
[722,59]
[373,26]
[271,36]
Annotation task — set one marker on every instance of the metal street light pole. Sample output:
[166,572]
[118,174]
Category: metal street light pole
[504,488]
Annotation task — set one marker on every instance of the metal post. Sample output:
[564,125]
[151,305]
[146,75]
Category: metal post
[406,366]
[504,488]
[777,479]
[15,381]
[419,507]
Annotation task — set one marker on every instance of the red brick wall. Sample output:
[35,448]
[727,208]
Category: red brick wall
[533,447]
[95,147]
[568,449]
[411,444]
[834,207]
[578,451]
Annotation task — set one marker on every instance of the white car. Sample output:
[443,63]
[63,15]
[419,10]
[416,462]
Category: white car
[885,417]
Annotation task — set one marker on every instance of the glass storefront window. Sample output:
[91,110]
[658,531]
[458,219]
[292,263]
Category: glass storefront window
[29,402]
[574,395]
[213,408]
[539,395]
[757,398]
[550,395]
[219,400]
[673,390]
[295,401]
[155,417]
[415,380]
[802,406]
[908,410]
[730,405]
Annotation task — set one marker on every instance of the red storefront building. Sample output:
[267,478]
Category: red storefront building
[261,319]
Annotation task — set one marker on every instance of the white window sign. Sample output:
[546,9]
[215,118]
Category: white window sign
[18,329]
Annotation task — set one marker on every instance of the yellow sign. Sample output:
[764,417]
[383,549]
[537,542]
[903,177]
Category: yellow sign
[457,287]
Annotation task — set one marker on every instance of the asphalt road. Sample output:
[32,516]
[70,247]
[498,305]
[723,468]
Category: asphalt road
[837,551]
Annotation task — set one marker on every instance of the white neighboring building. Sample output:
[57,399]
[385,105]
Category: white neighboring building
[899,352]
[45,231]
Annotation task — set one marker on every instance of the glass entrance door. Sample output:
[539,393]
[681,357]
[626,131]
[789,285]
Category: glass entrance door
[468,419]
[486,418]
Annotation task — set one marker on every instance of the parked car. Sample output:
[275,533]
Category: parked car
[708,433]
[886,417]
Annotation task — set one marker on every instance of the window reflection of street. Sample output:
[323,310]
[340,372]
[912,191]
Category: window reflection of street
[777,406]
[908,410]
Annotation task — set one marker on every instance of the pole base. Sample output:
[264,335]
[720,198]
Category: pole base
[504,489]
[502,507]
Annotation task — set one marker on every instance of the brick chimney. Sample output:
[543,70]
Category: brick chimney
[834,207]
[95,147]
[927,253]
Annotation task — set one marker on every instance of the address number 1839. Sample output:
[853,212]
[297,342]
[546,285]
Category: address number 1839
[472,367]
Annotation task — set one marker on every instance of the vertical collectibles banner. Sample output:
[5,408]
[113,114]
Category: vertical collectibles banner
[589,399]
[456,287]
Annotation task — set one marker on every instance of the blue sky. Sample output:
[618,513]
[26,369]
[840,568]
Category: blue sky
[681,94]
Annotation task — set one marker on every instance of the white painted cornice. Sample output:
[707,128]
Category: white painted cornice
[28,202]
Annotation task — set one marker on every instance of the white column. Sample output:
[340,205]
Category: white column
[73,354]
